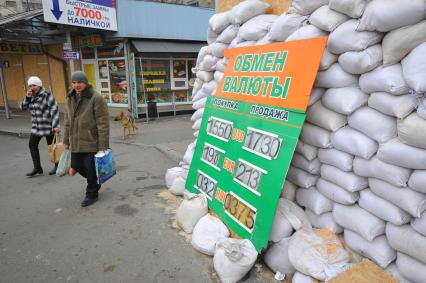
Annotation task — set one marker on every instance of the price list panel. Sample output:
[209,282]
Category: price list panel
[249,132]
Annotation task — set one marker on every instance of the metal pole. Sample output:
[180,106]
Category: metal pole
[4,92]
[71,61]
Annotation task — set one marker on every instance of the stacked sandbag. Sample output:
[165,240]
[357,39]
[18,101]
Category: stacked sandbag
[359,165]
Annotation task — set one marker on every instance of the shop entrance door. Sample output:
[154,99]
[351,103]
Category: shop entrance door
[89,67]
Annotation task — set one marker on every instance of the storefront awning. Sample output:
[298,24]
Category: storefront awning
[167,46]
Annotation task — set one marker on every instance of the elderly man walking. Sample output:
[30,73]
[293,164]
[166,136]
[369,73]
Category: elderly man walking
[86,131]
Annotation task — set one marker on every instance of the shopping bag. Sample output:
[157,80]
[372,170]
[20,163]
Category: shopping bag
[64,163]
[55,149]
[105,165]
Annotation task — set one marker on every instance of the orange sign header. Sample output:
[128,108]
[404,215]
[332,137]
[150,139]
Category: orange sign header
[278,74]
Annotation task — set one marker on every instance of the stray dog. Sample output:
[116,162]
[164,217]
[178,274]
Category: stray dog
[128,123]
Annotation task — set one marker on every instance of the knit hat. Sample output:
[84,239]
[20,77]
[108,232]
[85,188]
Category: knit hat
[79,76]
[35,81]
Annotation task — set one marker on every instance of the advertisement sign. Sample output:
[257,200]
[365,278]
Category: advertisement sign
[98,14]
[249,132]
[88,41]
[21,48]
[71,55]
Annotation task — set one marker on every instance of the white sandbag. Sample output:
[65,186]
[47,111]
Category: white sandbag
[207,232]
[246,43]
[209,87]
[208,63]
[327,60]
[246,10]
[189,153]
[196,134]
[228,34]
[221,64]
[285,25]
[336,158]
[377,250]
[375,168]
[264,40]
[325,118]
[190,211]
[374,124]
[314,200]
[316,94]
[405,240]
[199,103]
[310,253]
[218,76]
[302,278]
[336,193]
[294,214]
[198,83]
[384,15]
[257,27]
[359,62]
[289,191]
[344,100]
[412,131]
[218,48]
[196,125]
[326,19]
[197,114]
[353,142]
[235,42]
[398,106]
[399,154]
[346,38]
[417,181]
[174,172]
[419,224]
[306,7]
[281,227]
[382,208]
[315,136]
[219,21]
[384,78]
[410,268]
[211,36]
[346,180]
[233,259]
[392,269]
[411,201]
[178,185]
[335,76]
[352,8]
[398,43]
[200,95]
[205,76]
[308,151]
[201,54]
[301,178]
[414,68]
[301,162]
[276,257]
[305,32]
[358,220]
[324,220]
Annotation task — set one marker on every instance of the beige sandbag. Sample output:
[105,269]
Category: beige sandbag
[352,8]
[404,239]
[311,198]
[397,153]
[324,220]
[289,191]
[257,27]
[308,151]
[414,68]
[246,10]
[336,158]
[325,118]
[285,25]
[305,32]
[354,142]
[359,62]
[398,43]
[276,257]
[336,193]
[192,208]
[305,7]
[219,21]
[335,77]
[301,162]
[411,269]
[346,180]
[384,78]
[344,100]
[327,60]
[301,178]
[327,19]
[412,131]
[316,94]
[315,136]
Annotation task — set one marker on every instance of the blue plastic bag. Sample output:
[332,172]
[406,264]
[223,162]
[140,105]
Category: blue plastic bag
[64,163]
[105,166]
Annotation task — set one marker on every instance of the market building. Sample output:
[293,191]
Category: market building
[148,59]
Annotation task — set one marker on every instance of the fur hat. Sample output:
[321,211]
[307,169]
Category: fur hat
[79,76]
[35,81]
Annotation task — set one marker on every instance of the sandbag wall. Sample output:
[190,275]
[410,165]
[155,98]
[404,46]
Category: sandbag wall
[360,164]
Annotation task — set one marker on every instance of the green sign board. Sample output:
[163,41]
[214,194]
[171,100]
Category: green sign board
[248,135]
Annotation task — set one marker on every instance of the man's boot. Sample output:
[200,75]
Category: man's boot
[35,156]
[35,172]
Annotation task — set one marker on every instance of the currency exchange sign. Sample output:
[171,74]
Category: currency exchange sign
[250,130]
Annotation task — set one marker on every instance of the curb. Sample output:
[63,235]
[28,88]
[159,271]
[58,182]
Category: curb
[16,134]
[169,153]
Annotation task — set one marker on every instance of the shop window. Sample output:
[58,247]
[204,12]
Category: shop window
[180,74]
[153,81]
[181,96]
[111,49]
[88,53]
[112,81]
